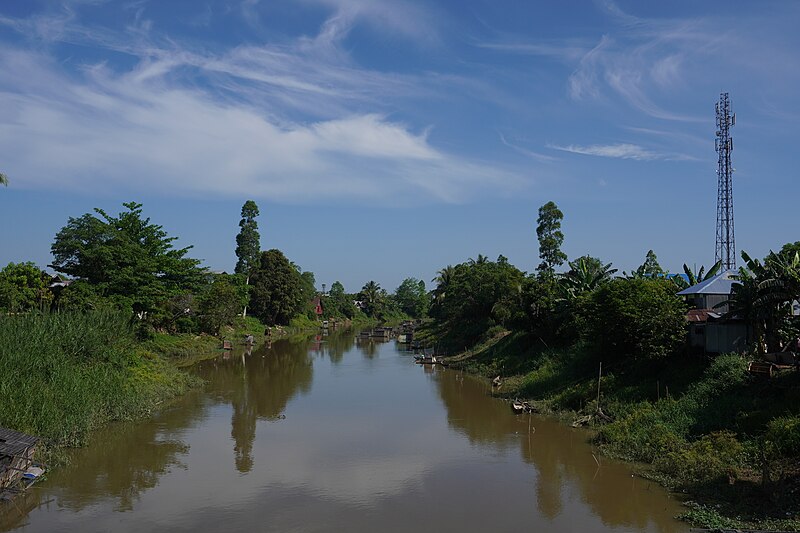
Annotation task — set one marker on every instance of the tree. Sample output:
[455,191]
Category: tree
[479,296]
[585,275]
[219,305]
[248,243]
[695,277]
[3,179]
[650,268]
[412,297]
[372,297]
[338,303]
[126,258]
[24,287]
[640,318]
[277,289]
[550,237]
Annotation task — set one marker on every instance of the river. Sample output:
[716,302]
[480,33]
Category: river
[340,434]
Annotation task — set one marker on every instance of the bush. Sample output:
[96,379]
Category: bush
[714,457]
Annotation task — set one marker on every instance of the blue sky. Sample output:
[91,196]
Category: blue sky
[387,139]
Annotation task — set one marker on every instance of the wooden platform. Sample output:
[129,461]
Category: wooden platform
[16,455]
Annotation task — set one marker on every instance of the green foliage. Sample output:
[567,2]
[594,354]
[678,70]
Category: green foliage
[638,318]
[548,231]
[650,268]
[479,295]
[717,456]
[277,289]
[248,241]
[23,287]
[412,298]
[125,257]
[220,303]
[338,304]
[585,275]
[63,374]
[373,299]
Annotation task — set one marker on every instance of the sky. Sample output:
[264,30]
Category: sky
[385,139]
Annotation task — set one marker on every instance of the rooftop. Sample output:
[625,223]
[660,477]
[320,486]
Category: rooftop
[719,284]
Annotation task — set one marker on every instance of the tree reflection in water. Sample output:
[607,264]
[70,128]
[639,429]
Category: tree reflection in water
[563,462]
[258,386]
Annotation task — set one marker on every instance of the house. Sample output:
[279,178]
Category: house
[710,331]
[711,293]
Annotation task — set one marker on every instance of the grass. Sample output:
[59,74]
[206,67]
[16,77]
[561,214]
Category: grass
[63,374]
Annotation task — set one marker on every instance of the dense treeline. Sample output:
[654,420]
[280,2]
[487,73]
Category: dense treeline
[125,262]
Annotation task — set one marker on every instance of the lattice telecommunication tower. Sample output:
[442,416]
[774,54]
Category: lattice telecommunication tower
[726,243]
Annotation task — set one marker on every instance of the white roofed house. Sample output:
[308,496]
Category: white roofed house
[710,331]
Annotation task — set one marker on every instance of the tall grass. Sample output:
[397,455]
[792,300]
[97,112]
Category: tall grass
[63,374]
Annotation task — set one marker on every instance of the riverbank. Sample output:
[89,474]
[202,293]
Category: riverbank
[67,374]
[726,440]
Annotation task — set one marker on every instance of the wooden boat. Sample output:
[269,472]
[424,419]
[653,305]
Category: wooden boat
[426,359]
[517,407]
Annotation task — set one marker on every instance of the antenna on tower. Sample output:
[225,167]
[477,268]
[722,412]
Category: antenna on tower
[726,243]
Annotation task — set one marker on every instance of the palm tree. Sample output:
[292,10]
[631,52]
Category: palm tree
[585,275]
[481,260]
[763,294]
[693,278]
[372,295]
[442,281]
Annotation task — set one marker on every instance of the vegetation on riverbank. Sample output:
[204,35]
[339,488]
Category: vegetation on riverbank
[704,425]
[65,374]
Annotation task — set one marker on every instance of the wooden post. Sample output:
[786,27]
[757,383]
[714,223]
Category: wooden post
[599,375]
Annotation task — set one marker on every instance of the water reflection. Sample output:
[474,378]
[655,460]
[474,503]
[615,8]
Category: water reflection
[370,442]
[258,385]
[565,465]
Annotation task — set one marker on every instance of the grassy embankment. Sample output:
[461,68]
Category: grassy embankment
[63,374]
[705,427]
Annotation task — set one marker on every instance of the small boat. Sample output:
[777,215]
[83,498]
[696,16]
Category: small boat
[426,359]
[518,407]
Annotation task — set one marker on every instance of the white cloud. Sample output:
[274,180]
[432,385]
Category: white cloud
[620,151]
[139,130]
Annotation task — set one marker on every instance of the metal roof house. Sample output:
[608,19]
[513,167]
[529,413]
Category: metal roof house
[709,330]
[711,292]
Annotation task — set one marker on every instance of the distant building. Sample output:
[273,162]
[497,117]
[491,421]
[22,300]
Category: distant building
[710,331]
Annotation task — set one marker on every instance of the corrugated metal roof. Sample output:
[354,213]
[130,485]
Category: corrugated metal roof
[15,443]
[719,284]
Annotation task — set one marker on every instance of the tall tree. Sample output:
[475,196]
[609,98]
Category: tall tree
[650,268]
[248,243]
[550,237]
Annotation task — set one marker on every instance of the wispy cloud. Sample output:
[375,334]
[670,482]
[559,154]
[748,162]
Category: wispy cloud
[564,51]
[618,151]
[525,151]
[139,130]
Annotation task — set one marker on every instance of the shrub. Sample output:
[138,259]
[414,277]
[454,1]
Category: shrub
[714,457]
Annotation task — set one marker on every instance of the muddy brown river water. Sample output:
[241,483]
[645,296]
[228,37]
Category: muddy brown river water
[340,434]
